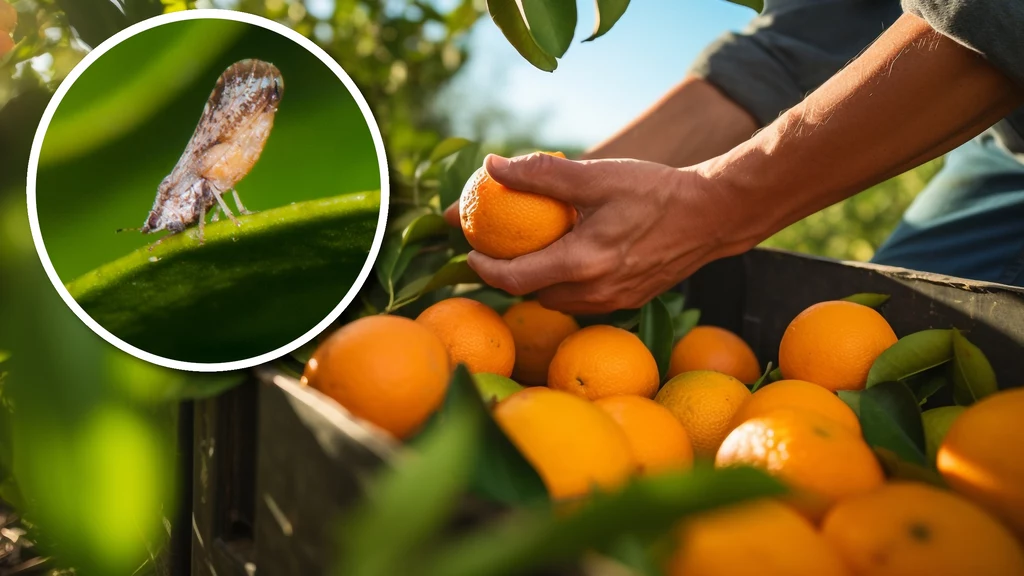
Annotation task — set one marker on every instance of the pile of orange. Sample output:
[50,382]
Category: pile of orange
[595,412]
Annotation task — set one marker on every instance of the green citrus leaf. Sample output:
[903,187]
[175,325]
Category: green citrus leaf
[896,468]
[249,289]
[456,271]
[509,19]
[460,167]
[527,539]
[869,299]
[764,379]
[890,418]
[608,13]
[912,355]
[656,333]
[973,376]
[411,501]
[852,399]
[674,302]
[447,147]
[757,5]
[926,384]
[426,226]
[552,24]
[936,424]
[683,323]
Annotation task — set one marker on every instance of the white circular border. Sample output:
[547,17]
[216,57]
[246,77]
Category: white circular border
[200,14]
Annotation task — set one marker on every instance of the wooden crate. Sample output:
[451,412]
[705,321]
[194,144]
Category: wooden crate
[276,464]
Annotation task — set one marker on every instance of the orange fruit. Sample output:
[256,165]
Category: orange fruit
[600,361]
[6,43]
[537,332]
[977,456]
[797,394]
[705,402]
[657,440]
[822,460]
[834,344]
[8,19]
[361,368]
[758,538]
[573,444]
[714,348]
[505,223]
[905,528]
[473,334]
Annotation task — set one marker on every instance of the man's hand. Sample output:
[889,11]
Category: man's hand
[642,228]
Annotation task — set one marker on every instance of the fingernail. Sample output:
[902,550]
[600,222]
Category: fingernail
[495,162]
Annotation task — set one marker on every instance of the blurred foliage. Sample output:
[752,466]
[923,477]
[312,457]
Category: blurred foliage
[854,228]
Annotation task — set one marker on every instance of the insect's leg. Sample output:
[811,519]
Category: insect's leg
[202,223]
[224,206]
[238,202]
[216,214]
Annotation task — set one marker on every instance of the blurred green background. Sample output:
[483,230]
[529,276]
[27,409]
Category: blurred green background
[101,163]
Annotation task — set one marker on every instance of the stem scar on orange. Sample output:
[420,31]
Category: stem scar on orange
[504,223]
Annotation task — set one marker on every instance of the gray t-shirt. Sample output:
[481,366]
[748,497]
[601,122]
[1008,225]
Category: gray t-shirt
[793,46]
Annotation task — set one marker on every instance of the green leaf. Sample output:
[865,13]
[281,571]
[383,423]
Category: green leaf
[456,271]
[775,375]
[890,418]
[426,226]
[459,169]
[509,20]
[656,333]
[869,299]
[757,5]
[674,302]
[139,10]
[973,376]
[608,13]
[852,399]
[926,384]
[447,147]
[247,290]
[4,355]
[552,24]
[525,539]
[94,20]
[410,503]
[683,323]
[764,379]
[896,468]
[635,553]
[912,355]
[500,472]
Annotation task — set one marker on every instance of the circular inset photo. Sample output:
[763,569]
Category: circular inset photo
[208,190]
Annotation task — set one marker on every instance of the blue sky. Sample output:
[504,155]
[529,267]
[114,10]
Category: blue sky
[598,86]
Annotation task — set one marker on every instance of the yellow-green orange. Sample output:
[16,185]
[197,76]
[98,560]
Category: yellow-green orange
[705,402]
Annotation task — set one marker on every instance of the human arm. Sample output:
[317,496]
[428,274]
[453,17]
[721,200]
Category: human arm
[913,95]
[693,122]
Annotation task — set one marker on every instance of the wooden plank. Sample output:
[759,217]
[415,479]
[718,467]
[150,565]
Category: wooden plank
[315,461]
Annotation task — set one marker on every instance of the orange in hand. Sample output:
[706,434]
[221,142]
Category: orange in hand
[504,223]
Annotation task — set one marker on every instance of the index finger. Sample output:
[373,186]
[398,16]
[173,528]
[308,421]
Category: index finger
[558,263]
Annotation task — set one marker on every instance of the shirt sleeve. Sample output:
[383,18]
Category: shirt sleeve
[791,48]
[993,28]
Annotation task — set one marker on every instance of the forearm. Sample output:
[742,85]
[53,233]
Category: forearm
[690,124]
[912,96]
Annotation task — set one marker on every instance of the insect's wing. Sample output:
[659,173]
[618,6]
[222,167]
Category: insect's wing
[245,91]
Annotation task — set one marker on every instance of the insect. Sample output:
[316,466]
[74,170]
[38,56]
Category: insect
[223,149]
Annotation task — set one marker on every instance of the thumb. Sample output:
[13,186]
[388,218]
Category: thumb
[541,173]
